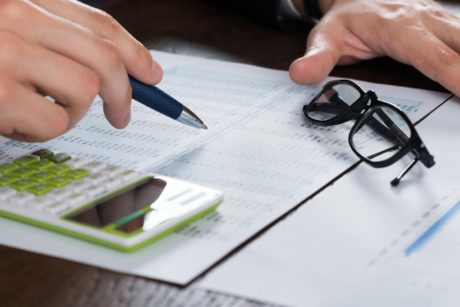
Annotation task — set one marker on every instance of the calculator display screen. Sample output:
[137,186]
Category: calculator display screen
[124,211]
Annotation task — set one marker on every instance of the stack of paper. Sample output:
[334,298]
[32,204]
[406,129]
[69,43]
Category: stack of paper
[362,242]
[259,150]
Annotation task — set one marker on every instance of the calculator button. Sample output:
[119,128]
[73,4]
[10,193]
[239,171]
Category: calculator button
[95,166]
[60,194]
[43,153]
[40,189]
[8,168]
[41,203]
[59,181]
[77,173]
[59,169]
[97,178]
[6,180]
[113,171]
[22,172]
[42,176]
[6,192]
[57,208]
[79,186]
[22,184]
[112,183]
[42,165]
[128,175]
[76,199]
[59,158]
[25,160]
[77,162]
[95,191]
[21,198]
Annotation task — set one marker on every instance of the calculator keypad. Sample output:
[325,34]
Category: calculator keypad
[57,183]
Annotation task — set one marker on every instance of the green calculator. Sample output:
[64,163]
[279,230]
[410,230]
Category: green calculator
[104,204]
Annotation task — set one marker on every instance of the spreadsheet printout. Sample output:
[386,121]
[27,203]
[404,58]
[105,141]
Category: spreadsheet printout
[259,150]
[362,242]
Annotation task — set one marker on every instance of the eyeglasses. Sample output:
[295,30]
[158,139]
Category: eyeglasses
[382,134]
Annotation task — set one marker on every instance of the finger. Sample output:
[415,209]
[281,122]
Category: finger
[27,116]
[421,49]
[319,60]
[81,45]
[446,27]
[51,74]
[137,59]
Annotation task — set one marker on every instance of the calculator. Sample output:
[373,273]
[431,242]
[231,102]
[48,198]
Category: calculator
[105,204]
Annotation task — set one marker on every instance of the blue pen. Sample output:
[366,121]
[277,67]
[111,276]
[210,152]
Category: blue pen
[158,100]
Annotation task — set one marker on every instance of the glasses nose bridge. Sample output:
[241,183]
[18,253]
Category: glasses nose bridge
[372,96]
[362,104]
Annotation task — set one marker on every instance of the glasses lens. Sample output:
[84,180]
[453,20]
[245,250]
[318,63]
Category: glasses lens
[381,134]
[333,101]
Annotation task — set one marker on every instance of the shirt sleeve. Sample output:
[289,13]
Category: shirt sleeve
[288,10]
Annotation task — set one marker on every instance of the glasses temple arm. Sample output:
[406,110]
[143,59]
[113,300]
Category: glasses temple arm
[393,128]
[394,134]
[395,182]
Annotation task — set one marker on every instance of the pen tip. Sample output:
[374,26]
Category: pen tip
[191,119]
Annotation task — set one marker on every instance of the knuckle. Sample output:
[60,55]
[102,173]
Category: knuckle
[142,55]
[436,11]
[58,125]
[10,45]
[14,9]
[402,16]
[106,22]
[55,124]
[110,55]
[142,60]
[448,57]
[91,84]
[5,90]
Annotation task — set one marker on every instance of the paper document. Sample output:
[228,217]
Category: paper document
[259,150]
[362,242]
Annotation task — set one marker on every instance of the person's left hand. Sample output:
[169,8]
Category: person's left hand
[416,32]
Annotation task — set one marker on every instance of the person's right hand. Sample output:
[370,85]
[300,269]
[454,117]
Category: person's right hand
[70,52]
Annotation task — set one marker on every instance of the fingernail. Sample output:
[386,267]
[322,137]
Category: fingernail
[157,72]
[127,118]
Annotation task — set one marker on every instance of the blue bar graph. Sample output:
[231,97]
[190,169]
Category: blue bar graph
[430,232]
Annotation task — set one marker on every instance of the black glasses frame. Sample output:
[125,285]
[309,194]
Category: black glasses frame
[363,110]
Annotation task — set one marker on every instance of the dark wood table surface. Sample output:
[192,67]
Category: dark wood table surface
[192,27]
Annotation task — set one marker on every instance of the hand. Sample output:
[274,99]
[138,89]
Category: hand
[70,52]
[416,32]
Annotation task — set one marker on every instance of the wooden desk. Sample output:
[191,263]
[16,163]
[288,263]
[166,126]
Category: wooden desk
[193,27]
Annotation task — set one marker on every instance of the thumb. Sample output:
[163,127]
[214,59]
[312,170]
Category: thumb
[320,58]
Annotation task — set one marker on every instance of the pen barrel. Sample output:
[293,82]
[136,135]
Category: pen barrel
[155,99]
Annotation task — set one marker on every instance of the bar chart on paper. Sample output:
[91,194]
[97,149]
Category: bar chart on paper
[401,249]
[433,231]
[429,259]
